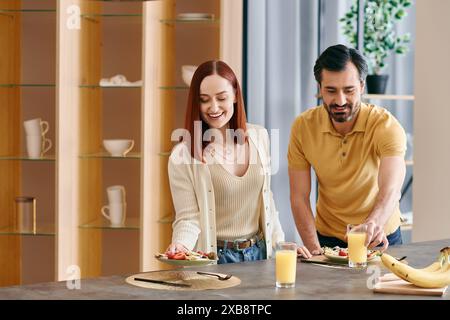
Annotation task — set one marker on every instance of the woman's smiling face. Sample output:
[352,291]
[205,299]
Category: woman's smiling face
[216,101]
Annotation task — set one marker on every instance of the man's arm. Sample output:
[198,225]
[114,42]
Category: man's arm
[391,175]
[300,185]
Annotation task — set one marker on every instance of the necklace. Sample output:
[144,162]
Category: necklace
[228,151]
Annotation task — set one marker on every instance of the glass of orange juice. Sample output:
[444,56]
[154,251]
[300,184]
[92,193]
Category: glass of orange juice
[285,264]
[357,251]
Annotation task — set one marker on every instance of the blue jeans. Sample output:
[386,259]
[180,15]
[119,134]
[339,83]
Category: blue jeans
[256,252]
[394,238]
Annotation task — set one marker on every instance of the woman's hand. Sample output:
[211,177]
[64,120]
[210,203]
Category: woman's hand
[304,252]
[176,247]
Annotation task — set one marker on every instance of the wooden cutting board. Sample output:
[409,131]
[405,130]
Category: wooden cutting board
[390,283]
[321,259]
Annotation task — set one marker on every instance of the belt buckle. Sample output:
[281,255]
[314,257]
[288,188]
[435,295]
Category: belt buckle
[236,244]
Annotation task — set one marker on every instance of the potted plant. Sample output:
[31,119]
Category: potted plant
[380,38]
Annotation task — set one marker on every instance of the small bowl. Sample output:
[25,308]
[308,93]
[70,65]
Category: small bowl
[187,71]
[118,147]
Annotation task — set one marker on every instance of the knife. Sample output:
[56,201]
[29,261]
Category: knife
[164,282]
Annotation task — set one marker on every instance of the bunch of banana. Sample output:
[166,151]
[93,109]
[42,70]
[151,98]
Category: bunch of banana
[436,275]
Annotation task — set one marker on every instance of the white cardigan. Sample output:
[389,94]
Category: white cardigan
[190,182]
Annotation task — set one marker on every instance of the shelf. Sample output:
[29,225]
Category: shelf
[387,97]
[110,15]
[27,11]
[101,155]
[191,21]
[102,223]
[50,158]
[95,17]
[41,230]
[24,85]
[104,155]
[408,222]
[381,97]
[96,86]
[167,219]
[173,87]
[164,154]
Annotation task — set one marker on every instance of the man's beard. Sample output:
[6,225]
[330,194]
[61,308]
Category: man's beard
[342,113]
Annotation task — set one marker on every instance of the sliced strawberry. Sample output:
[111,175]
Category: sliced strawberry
[203,254]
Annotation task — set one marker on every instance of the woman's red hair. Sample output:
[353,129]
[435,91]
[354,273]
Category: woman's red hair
[237,121]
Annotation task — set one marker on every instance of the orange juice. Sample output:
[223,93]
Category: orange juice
[357,251]
[286,265]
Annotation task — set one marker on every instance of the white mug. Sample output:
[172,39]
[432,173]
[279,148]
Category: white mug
[118,147]
[117,213]
[36,127]
[37,146]
[116,194]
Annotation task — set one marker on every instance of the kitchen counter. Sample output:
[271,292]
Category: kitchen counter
[258,282]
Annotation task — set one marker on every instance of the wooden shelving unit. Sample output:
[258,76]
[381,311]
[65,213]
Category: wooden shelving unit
[388,97]
[27,90]
[143,40]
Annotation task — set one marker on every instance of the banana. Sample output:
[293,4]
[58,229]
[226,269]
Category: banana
[438,265]
[435,266]
[424,278]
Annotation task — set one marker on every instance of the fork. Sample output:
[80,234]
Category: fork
[221,278]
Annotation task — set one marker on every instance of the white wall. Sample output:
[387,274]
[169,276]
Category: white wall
[431,193]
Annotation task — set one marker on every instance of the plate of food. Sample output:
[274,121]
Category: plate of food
[341,254]
[187,259]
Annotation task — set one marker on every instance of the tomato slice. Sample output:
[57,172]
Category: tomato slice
[170,255]
[179,256]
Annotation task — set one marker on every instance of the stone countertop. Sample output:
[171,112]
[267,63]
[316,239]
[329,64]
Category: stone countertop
[258,282]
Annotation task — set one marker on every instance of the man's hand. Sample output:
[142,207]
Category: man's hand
[306,253]
[375,236]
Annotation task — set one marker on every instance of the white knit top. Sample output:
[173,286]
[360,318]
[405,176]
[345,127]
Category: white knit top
[193,197]
[237,199]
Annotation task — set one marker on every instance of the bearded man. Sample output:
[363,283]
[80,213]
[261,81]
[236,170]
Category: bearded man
[357,152]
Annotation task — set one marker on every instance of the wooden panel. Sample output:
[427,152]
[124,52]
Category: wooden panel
[231,33]
[157,115]
[67,81]
[166,110]
[10,130]
[90,133]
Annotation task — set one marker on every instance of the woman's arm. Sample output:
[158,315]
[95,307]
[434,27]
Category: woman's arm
[186,226]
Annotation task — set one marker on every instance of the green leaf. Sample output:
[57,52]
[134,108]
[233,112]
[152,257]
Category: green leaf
[406,37]
[394,3]
[407,4]
[400,50]
[400,14]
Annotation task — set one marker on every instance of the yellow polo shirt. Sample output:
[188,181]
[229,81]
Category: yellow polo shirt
[346,166]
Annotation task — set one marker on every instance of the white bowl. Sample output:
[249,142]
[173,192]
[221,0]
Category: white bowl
[118,147]
[187,71]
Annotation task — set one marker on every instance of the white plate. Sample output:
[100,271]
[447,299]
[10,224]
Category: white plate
[337,258]
[186,263]
[195,16]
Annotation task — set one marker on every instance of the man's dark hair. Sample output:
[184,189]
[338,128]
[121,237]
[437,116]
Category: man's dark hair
[335,58]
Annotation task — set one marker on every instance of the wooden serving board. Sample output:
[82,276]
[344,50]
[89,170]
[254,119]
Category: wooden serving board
[321,259]
[390,283]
